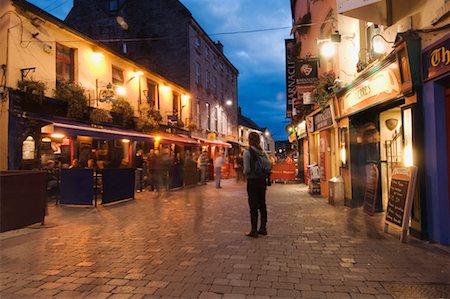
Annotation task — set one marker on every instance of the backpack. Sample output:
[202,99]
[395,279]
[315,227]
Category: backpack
[260,165]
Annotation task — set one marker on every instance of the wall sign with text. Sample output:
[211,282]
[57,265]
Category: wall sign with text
[436,60]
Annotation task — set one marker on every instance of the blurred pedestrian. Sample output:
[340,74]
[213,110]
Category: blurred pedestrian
[218,163]
[202,165]
[139,165]
[153,169]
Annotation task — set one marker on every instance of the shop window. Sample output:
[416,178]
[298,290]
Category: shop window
[28,148]
[64,63]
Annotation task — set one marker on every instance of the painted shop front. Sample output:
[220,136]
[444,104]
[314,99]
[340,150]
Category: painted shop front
[379,127]
[321,145]
[436,110]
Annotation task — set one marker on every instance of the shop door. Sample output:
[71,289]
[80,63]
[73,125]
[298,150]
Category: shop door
[364,150]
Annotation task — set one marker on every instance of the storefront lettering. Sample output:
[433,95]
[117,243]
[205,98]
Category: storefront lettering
[438,56]
[323,119]
[383,82]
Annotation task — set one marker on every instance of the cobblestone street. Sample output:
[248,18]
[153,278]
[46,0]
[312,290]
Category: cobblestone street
[191,244]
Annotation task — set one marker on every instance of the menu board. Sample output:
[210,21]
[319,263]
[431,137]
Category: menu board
[370,196]
[401,190]
[397,200]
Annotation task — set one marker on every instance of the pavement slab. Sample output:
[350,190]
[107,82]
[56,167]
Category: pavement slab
[190,244]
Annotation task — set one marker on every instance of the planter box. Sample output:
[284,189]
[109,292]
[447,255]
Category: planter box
[22,198]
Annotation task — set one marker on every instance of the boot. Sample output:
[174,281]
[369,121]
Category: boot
[254,220]
[263,230]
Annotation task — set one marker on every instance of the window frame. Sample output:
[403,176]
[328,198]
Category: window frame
[66,59]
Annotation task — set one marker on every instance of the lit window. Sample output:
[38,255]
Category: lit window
[152,94]
[208,116]
[64,63]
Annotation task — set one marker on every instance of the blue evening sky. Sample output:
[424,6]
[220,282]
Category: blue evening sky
[259,56]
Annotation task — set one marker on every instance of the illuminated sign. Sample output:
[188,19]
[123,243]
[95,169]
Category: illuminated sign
[436,60]
[381,86]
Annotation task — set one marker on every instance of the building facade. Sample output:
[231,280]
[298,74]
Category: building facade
[64,95]
[385,109]
[247,126]
[163,35]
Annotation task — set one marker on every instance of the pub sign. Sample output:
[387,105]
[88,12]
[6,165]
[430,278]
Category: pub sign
[436,59]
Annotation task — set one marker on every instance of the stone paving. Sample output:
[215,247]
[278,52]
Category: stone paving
[190,244]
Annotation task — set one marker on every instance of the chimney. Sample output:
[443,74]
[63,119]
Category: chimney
[219,46]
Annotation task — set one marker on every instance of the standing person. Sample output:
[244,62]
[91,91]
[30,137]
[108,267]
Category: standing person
[218,163]
[153,168]
[202,164]
[238,165]
[256,167]
[139,164]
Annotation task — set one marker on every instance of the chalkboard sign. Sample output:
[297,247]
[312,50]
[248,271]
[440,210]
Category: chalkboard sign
[370,196]
[399,205]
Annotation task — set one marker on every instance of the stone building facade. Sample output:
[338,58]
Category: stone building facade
[163,36]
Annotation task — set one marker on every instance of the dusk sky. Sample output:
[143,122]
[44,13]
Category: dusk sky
[259,56]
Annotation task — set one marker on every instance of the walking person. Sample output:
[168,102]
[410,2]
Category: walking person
[218,163]
[139,164]
[257,167]
[202,165]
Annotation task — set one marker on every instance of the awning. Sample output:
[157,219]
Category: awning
[96,131]
[213,142]
[174,139]
[238,143]
[381,12]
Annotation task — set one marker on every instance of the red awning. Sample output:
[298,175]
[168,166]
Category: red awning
[213,142]
[174,139]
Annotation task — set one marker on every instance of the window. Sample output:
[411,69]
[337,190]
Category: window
[216,119]
[176,103]
[207,52]
[113,5]
[214,83]
[152,94]
[117,76]
[199,116]
[197,43]
[198,73]
[64,63]
[208,117]
[207,79]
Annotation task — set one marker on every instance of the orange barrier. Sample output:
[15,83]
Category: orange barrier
[283,172]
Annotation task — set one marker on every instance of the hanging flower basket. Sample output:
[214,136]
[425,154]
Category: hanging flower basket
[325,89]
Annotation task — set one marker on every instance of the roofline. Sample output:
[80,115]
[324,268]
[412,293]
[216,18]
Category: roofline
[61,24]
[214,44]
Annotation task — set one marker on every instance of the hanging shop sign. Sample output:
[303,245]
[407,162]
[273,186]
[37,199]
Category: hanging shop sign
[323,119]
[306,71]
[436,60]
[379,87]
[291,91]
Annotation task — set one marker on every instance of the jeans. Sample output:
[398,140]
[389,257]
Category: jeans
[203,174]
[256,189]
[140,179]
[218,176]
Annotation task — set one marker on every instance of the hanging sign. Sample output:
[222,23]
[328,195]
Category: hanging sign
[323,119]
[306,71]
[401,191]
[291,91]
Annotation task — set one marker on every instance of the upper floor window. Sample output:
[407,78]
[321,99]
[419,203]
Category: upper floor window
[117,76]
[207,52]
[199,115]
[207,79]
[198,73]
[216,119]
[176,103]
[198,43]
[113,5]
[208,116]
[65,63]
[152,94]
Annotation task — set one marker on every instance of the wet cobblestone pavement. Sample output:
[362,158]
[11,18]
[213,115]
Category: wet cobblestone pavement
[191,244]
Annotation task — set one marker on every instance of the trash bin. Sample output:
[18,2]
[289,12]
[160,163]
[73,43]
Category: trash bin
[336,190]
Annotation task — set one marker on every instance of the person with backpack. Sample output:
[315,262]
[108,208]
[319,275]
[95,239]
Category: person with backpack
[257,168]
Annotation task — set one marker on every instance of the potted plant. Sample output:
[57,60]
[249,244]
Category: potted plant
[123,113]
[74,95]
[149,118]
[31,86]
[98,116]
[325,88]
